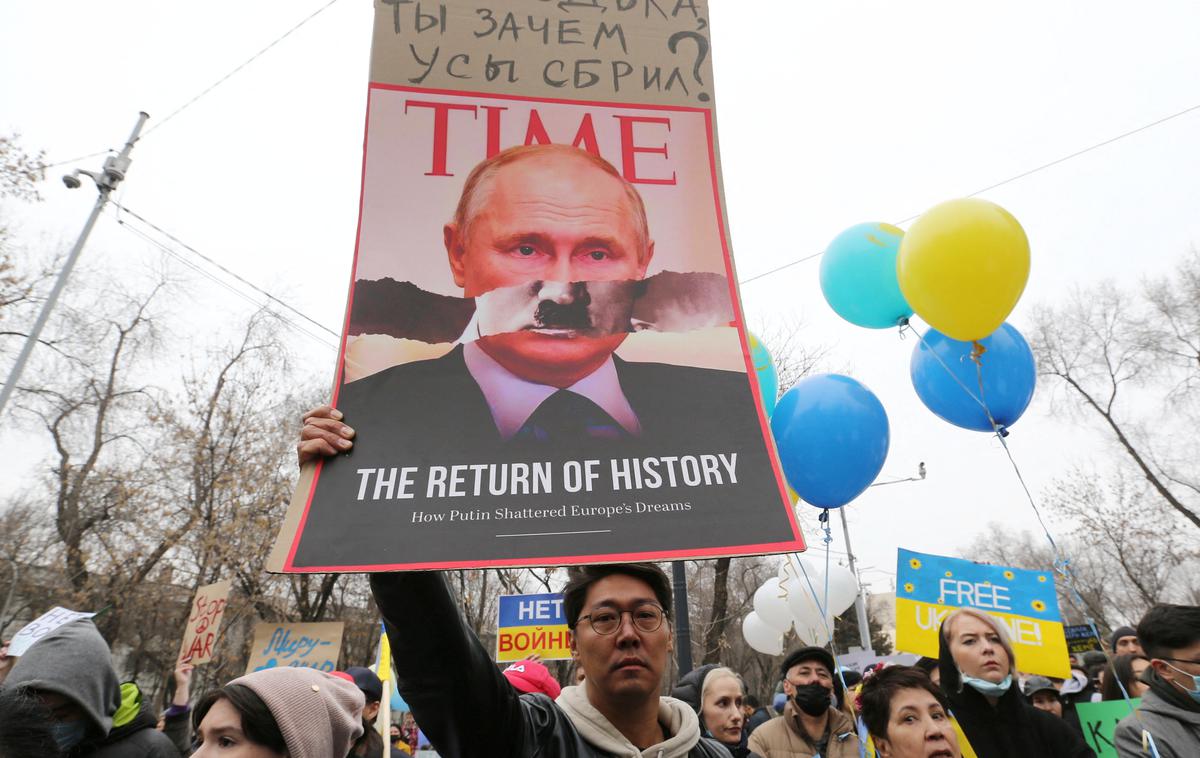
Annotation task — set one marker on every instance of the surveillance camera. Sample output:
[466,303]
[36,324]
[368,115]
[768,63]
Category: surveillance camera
[72,181]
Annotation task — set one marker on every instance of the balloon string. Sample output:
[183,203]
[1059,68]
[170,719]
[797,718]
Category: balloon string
[821,609]
[970,393]
[1062,565]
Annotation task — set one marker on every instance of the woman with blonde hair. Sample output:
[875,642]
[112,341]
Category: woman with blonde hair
[715,693]
[978,669]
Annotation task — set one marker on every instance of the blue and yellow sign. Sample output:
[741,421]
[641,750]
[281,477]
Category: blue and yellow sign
[928,587]
[532,624]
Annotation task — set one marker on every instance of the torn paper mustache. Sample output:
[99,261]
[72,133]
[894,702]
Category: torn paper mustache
[666,302]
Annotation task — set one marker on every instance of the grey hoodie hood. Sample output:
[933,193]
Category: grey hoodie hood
[677,718]
[73,661]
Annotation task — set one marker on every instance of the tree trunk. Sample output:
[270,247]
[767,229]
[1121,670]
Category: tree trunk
[720,612]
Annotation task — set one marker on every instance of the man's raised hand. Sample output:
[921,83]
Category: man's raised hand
[323,435]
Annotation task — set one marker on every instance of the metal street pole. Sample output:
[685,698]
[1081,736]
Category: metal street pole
[106,181]
[683,627]
[860,600]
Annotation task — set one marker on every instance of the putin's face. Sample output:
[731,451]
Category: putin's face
[551,218]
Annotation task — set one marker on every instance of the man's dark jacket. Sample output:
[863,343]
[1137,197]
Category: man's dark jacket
[459,697]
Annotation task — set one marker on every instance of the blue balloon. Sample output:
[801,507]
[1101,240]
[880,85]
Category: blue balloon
[1009,377]
[832,435]
[764,369]
[858,276]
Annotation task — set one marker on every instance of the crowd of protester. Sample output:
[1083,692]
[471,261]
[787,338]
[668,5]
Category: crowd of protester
[64,698]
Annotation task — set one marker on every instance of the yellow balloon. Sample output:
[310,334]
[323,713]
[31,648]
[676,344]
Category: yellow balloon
[962,267]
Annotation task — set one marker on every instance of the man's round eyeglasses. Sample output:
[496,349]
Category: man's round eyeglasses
[646,618]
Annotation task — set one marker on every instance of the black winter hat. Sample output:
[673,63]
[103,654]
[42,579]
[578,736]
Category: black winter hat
[811,653]
[820,655]
[1118,633]
[366,680]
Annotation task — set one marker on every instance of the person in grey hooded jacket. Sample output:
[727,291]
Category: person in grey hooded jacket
[93,715]
[1169,715]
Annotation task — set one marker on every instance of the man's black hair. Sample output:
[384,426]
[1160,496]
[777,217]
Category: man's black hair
[752,701]
[878,690]
[926,664]
[581,578]
[1168,627]
[258,723]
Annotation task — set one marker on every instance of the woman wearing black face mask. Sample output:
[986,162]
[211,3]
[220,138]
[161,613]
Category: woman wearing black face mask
[811,724]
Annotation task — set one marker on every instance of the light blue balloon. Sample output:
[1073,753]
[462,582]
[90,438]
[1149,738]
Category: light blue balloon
[941,367]
[858,276]
[832,435]
[768,377]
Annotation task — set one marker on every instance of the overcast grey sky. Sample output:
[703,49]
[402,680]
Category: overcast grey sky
[830,113]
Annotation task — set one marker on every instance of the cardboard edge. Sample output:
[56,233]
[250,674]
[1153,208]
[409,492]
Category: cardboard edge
[277,558]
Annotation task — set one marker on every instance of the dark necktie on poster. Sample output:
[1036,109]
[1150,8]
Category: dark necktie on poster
[567,416]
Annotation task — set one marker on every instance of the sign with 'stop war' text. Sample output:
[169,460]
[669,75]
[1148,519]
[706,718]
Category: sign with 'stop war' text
[545,359]
[532,624]
[204,622]
[928,587]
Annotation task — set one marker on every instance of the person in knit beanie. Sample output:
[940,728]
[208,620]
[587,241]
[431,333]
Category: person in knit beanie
[1124,641]
[294,712]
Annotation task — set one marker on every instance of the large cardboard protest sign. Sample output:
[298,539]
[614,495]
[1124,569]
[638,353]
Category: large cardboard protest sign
[544,355]
[41,626]
[1099,722]
[204,622]
[315,645]
[928,587]
[530,624]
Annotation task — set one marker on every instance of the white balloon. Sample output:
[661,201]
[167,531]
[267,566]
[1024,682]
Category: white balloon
[800,577]
[801,570]
[843,589]
[815,631]
[760,636]
[771,606]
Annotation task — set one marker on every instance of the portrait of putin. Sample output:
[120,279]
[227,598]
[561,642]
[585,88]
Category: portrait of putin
[560,239]
[549,241]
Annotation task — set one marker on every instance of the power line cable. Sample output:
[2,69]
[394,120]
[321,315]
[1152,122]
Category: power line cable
[240,278]
[76,160]
[209,275]
[241,66]
[1001,183]
[321,326]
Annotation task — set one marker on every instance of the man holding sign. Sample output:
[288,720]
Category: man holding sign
[620,635]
